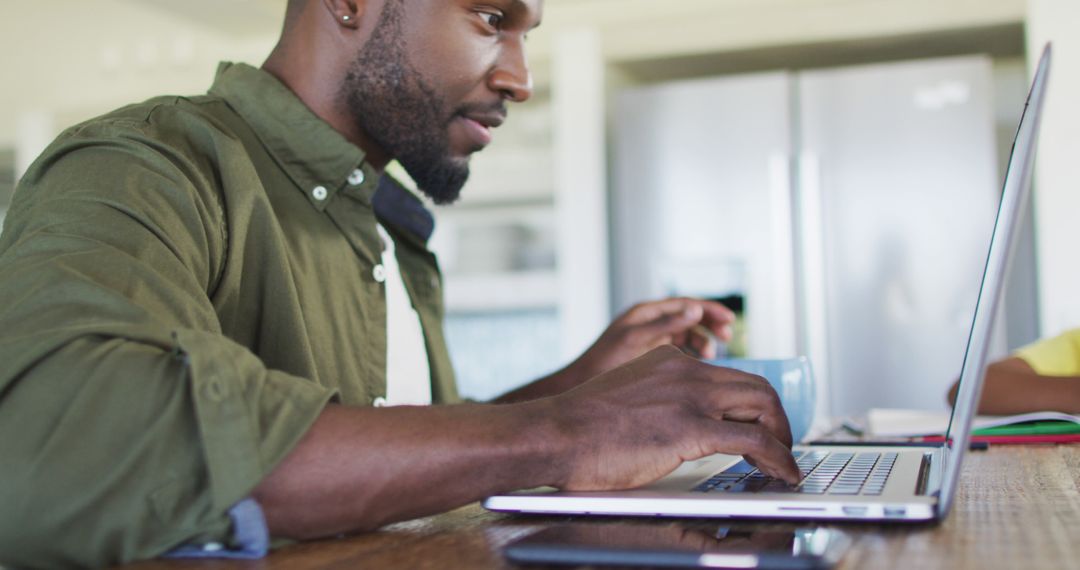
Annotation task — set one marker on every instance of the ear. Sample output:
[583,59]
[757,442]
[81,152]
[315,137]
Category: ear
[345,13]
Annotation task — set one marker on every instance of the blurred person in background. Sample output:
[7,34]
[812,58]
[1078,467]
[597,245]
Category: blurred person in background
[1043,376]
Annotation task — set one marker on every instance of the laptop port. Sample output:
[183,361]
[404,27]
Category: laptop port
[856,511]
[895,511]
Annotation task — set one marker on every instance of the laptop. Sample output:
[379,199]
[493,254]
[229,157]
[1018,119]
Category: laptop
[886,483]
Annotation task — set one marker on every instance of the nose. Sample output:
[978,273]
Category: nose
[511,76]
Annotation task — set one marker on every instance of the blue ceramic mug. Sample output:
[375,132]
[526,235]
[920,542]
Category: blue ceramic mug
[793,381]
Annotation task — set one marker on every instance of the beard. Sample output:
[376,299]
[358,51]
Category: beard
[392,104]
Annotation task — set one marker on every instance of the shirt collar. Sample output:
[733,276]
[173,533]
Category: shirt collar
[315,156]
[404,211]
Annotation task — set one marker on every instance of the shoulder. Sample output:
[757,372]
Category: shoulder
[184,141]
[151,170]
[159,159]
[161,122]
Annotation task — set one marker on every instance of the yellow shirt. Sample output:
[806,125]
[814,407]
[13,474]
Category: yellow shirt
[1056,356]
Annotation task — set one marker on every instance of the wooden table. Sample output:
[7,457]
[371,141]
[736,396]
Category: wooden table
[1018,507]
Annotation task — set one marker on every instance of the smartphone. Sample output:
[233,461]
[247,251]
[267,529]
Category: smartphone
[680,546]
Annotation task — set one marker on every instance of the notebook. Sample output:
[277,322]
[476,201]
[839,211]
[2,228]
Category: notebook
[912,423]
[1022,429]
[888,483]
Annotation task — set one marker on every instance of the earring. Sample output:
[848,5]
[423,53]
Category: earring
[346,18]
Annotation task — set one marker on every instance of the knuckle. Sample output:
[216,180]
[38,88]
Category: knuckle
[657,360]
[763,390]
[668,351]
[769,394]
[671,360]
[775,401]
[760,380]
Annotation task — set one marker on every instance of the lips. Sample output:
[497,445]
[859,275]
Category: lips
[477,128]
[490,120]
[478,133]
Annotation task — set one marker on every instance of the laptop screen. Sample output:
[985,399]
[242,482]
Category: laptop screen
[1014,200]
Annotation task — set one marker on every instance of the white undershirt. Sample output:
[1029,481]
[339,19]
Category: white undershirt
[408,376]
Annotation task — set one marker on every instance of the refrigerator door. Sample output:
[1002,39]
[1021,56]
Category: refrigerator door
[898,189]
[702,199]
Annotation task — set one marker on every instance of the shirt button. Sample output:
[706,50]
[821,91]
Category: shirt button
[379,273]
[319,193]
[214,390]
[357,177]
[379,402]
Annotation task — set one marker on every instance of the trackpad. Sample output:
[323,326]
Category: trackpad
[687,475]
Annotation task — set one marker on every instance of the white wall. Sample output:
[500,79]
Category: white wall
[72,59]
[662,28]
[1057,191]
[580,188]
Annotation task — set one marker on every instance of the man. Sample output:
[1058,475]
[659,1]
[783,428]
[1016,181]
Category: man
[1042,376]
[194,302]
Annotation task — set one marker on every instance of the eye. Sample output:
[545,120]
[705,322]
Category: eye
[492,19]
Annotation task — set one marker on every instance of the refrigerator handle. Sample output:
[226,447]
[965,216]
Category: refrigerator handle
[782,330]
[811,299]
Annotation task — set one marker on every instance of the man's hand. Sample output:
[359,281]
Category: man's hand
[683,322]
[638,422]
[362,468]
[693,325]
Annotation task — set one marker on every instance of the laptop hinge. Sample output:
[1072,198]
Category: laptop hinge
[924,475]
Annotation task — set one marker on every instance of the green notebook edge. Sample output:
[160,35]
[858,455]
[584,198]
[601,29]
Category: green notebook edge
[1055,427]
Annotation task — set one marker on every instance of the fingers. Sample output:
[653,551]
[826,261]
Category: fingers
[741,397]
[713,316]
[702,342]
[758,446]
[653,310]
[666,327]
[766,414]
[665,407]
[718,319]
[721,393]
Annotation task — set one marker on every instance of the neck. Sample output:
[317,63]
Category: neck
[316,80]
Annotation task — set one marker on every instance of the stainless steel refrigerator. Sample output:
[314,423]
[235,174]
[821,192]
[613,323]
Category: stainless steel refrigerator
[847,210]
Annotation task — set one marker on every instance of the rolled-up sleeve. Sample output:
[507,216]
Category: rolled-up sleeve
[1054,356]
[129,423]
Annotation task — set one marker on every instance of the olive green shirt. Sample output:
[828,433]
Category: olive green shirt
[184,284]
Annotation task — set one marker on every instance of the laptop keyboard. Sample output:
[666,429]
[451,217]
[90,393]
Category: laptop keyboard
[823,473]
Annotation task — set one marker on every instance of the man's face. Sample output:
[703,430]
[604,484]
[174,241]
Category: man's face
[433,79]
